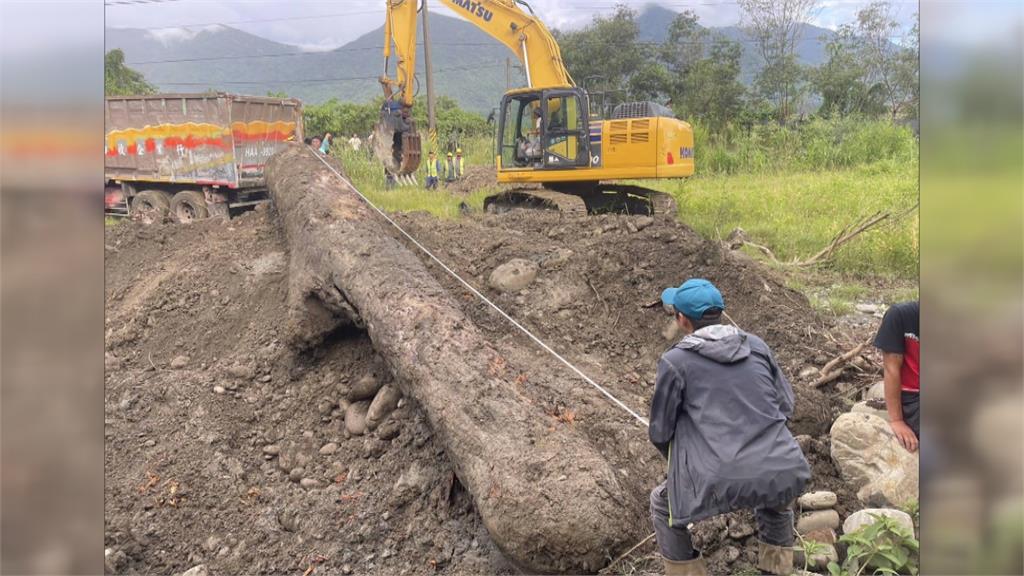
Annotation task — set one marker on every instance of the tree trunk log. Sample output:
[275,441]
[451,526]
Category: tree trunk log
[547,497]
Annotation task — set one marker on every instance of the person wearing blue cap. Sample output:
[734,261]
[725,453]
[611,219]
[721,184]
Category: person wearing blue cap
[719,416]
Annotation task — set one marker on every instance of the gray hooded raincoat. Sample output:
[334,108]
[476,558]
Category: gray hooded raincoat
[719,415]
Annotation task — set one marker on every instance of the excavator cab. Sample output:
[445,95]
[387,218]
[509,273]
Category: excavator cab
[544,130]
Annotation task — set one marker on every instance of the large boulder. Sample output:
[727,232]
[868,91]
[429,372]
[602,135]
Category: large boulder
[514,275]
[870,458]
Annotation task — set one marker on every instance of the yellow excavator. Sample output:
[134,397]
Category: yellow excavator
[547,139]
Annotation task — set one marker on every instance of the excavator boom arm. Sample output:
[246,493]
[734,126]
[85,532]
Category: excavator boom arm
[504,20]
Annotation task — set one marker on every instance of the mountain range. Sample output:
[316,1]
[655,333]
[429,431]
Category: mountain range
[469,65]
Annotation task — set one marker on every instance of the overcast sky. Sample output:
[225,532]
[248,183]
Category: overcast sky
[326,24]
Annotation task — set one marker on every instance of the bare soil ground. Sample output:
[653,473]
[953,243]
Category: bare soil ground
[208,410]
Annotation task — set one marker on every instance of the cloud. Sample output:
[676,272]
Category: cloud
[168,36]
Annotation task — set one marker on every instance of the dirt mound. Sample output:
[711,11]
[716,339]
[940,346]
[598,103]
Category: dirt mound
[194,452]
[475,178]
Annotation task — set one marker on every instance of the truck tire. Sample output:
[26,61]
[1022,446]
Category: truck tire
[151,206]
[187,206]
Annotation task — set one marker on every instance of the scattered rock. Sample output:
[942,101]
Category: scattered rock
[817,561]
[389,430]
[178,363]
[355,418]
[867,516]
[873,461]
[346,568]
[557,258]
[199,570]
[374,447]
[867,308]
[383,404]
[241,371]
[219,390]
[739,530]
[310,483]
[296,474]
[642,222]
[818,500]
[272,449]
[413,482]
[876,391]
[114,561]
[823,535]
[817,520]
[731,554]
[808,373]
[364,388]
[513,275]
[329,448]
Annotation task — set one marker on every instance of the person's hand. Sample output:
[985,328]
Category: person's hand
[905,435]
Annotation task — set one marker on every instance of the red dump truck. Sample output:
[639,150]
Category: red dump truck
[190,156]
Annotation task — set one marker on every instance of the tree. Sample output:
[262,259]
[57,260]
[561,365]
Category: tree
[703,72]
[841,80]
[715,90]
[775,27]
[606,54]
[120,80]
[891,69]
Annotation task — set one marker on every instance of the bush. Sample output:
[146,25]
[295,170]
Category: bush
[344,118]
[819,144]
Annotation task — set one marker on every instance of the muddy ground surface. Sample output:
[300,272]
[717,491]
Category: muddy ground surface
[208,411]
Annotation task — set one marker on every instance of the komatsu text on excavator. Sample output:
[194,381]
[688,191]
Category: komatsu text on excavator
[547,134]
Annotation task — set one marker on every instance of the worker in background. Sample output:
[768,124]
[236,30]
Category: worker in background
[354,142]
[449,170]
[460,164]
[315,144]
[325,145]
[453,139]
[719,416]
[900,344]
[433,169]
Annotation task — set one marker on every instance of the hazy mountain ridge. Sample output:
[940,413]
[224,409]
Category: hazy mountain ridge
[469,65]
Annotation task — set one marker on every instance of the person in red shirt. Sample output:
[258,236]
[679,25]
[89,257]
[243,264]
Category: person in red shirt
[898,339]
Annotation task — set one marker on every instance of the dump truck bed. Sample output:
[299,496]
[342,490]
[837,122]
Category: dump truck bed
[217,140]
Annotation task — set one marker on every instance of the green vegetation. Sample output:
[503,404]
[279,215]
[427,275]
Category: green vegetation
[817,144]
[797,213]
[884,547]
[810,549]
[699,70]
[344,118]
[120,80]
[368,176]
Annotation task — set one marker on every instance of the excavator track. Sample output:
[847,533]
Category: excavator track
[604,198]
[568,205]
[631,199]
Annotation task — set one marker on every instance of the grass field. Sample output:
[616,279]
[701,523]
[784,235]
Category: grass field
[796,214]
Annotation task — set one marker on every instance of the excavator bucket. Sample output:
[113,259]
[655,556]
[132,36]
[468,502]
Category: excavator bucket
[396,143]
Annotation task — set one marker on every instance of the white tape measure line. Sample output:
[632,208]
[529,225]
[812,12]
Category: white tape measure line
[479,295]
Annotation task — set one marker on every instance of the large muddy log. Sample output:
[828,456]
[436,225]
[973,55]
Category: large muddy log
[546,496]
